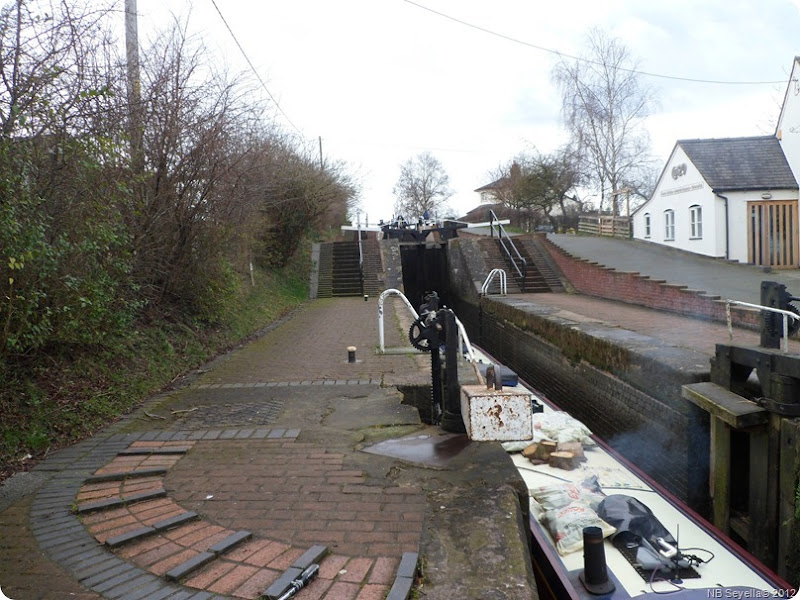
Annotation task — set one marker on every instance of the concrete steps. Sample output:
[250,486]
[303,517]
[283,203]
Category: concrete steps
[496,258]
[544,264]
[339,274]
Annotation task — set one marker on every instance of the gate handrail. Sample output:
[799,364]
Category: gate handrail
[786,314]
[490,277]
[463,341]
[390,292]
[503,235]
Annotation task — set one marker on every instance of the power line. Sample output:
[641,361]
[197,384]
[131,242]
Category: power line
[585,60]
[252,67]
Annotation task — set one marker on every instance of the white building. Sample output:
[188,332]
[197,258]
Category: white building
[734,198]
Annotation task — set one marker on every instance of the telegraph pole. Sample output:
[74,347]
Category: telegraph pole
[134,85]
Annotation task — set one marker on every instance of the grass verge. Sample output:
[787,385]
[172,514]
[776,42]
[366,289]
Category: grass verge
[55,399]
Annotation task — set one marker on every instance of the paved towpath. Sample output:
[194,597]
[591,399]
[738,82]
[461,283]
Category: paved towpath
[236,479]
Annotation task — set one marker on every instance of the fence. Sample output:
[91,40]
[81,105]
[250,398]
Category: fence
[605,225]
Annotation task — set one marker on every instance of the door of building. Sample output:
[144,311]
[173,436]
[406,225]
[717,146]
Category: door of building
[772,235]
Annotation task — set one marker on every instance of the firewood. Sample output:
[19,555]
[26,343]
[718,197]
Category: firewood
[530,450]
[575,447]
[542,452]
[563,460]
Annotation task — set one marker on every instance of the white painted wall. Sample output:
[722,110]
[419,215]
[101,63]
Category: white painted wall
[788,130]
[681,186]
[738,215]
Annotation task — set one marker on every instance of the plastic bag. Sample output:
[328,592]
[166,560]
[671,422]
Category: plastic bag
[566,525]
[559,426]
[629,514]
[561,494]
[512,447]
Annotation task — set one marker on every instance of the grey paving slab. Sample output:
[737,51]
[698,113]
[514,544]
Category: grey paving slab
[408,565]
[114,571]
[401,588]
[83,572]
[124,538]
[120,475]
[280,585]
[121,579]
[310,556]
[230,542]
[146,587]
[189,566]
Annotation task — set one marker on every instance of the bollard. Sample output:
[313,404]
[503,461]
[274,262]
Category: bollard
[351,354]
[490,377]
[594,576]
[366,297]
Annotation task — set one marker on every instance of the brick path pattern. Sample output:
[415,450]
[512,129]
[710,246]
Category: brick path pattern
[179,491]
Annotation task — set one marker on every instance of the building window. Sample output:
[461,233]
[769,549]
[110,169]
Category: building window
[696,219]
[647,225]
[669,225]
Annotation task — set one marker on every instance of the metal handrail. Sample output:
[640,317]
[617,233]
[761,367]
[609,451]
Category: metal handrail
[490,277]
[389,292]
[463,338]
[501,233]
[463,341]
[786,314]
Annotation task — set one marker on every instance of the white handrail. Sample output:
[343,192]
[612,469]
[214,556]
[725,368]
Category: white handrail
[490,277]
[389,292]
[463,338]
[786,314]
[463,341]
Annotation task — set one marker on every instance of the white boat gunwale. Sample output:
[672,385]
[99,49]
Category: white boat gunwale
[567,579]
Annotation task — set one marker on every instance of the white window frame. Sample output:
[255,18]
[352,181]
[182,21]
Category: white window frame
[696,221]
[669,225]
[647,225]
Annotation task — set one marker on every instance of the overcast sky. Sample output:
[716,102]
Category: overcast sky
[383,80]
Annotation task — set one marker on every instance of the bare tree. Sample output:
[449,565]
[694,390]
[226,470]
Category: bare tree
[91,239]
[423,187]
[604,104]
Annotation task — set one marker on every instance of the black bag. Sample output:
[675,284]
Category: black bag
[640,535]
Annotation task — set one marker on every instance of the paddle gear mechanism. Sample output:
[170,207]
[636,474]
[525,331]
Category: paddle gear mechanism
[435,331]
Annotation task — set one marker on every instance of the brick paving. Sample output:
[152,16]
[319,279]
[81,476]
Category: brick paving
[291,496]
[320,337]
[223,485]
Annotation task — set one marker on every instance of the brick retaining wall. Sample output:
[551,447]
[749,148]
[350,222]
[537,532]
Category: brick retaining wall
[593,279]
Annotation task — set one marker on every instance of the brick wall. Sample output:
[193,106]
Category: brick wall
[596,280]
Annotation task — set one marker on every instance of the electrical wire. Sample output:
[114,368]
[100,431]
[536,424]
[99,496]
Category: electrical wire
[584,60]
[653,580]
[252,67]
[706,561]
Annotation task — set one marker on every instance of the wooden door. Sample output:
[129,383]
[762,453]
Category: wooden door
[772,236]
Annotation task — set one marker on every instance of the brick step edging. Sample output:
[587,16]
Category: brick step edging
[202,559]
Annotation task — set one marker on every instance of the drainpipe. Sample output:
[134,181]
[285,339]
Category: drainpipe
[727,226]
